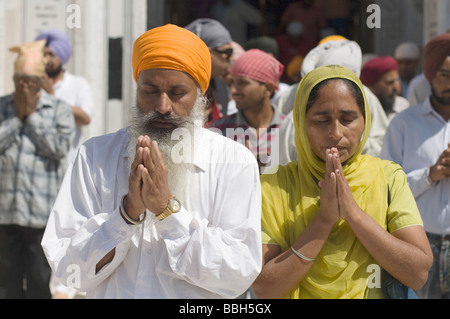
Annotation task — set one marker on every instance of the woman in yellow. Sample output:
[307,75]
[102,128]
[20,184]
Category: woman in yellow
[325,217]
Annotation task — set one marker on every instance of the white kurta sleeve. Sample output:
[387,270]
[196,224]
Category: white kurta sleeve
[78,234]
[222,254]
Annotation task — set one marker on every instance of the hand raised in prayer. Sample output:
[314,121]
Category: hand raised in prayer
[155,186]
[329,208]
[148,183]
[133,202]
[441,169]
[26,96]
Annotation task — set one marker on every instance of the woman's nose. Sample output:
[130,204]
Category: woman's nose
[335,131]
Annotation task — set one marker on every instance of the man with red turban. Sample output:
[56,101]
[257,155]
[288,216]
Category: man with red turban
[380,75]
[254,78]
[419,140]
[164,208]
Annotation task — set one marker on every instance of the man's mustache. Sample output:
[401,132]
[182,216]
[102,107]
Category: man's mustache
[149,118]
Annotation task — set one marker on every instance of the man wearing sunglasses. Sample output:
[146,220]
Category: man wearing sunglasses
[218,40]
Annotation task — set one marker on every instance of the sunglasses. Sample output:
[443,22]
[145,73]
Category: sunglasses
[228,52]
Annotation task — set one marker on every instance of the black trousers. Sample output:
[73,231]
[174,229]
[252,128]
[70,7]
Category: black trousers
[24,270]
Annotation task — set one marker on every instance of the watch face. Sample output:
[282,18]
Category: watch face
[175,205]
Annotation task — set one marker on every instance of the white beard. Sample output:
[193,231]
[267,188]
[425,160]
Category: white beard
[140,124]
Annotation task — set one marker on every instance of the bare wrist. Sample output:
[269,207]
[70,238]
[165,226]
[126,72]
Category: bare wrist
[428,178]
[326,220]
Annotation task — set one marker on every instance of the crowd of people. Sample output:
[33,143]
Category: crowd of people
[243,173]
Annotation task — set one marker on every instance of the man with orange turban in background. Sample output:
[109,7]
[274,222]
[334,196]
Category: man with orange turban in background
[152,210]
[36,131]
[419,140]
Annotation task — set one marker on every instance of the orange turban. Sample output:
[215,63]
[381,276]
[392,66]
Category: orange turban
[294,66]
[175,48]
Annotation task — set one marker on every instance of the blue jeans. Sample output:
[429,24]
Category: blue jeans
[438,283]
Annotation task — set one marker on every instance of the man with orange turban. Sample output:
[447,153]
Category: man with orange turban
[419,140]
[163,208]
[36,130]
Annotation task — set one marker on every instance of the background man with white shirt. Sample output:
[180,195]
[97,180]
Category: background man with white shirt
[72,89]
[419,140]
[75,91]
[141,220]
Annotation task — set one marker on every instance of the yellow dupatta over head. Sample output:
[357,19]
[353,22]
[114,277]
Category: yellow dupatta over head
[291,198]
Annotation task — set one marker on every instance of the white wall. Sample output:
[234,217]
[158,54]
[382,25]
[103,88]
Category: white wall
[437,18]
[401,20]
[10,35]
[22,20]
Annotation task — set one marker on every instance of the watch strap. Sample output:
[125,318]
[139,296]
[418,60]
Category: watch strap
[166,213]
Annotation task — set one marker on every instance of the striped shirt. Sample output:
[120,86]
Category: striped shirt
[32,159]
[267,146]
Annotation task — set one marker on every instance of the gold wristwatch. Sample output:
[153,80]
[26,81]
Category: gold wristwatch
[173,206]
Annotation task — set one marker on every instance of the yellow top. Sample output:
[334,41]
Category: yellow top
[291,198]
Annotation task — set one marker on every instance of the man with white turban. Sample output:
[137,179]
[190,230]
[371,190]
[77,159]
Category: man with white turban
[338,50]
[164,208]
[407,55]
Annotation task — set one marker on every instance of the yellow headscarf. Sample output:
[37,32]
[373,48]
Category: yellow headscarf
[291,199]
[175,48]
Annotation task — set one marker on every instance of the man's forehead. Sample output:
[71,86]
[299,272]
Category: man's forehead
[160,76]
[225,46]
[242,78]
[445,65]
[391,75]
[23,76]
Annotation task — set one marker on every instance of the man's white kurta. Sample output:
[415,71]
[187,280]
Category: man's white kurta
[210,249]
